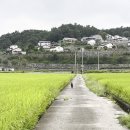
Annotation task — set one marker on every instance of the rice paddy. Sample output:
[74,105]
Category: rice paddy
[24,97]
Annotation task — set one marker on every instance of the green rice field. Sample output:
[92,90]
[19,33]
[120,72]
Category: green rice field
[114,83]
[117,84]
[24,97]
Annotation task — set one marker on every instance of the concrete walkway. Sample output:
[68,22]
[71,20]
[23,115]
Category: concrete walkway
[80,109]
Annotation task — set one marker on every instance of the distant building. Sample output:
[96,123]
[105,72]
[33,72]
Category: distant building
[91,42]
[69,40]
[97,37]
[93,37]
[120,39]
[125,39]
[117,40]
[86,39]
[6,69]
[14,49]
[109,37]
[44,44]
[57,49]
[128,43]
[109,45]
[1,68]
[17,51]
[23,53]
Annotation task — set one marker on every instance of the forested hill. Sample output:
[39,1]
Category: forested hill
[31,37]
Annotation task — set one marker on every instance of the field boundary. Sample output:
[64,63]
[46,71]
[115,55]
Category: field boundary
[124,105]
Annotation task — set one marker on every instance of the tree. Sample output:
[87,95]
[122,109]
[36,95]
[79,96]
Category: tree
[5,62]
[31,48]
[14,62]
[103,34]
[126,33]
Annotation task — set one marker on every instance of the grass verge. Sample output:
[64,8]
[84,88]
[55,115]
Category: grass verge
[110,84]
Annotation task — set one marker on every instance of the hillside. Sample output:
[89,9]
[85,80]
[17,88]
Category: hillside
[31,37]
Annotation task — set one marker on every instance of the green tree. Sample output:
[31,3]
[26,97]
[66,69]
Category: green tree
[5,62]
[103,34]
[126,33]
[14,62]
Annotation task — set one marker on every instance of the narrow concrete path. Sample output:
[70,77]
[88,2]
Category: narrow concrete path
[80,109]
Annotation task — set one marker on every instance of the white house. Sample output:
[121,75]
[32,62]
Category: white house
[116,37]
[91,42]
[1,68]
[14,49]
[109,37]
[93,37]
[44,44]
[23,52]
[97,37]
[86,39]
[128,43]
[17,51]
[124,39]
[109,45]
[6,69]
[69,40]
[57,49]
[11,69]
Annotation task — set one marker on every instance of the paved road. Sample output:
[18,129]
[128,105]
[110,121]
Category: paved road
[80,109]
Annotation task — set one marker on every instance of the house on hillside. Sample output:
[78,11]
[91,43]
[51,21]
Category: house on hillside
[91,42]
[128,43]
[86,39]
[14,49]
[93,37]
[17,51]
[57,49]
[44,44]
[117,40]
[125,39]
[109,45]
[6,69]
[120,39]
[97,38]
[109,37]
[69,40]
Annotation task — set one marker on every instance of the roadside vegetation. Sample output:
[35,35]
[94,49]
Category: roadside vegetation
[25,97]
[116,84]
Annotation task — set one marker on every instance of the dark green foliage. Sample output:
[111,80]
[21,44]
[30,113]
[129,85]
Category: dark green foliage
[88,47]
[31,37]
[125,120]
[5,62]
[122,31]
[23,39]
[103,34]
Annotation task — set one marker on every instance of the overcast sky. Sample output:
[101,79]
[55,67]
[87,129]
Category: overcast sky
[44,14]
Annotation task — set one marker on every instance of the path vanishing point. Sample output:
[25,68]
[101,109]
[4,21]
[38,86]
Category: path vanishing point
[79,109]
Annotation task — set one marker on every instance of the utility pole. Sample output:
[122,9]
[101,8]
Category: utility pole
[77,68]
[75,62]
[82,66]
[98,61]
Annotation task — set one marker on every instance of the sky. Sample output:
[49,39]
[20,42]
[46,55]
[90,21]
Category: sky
[19,15]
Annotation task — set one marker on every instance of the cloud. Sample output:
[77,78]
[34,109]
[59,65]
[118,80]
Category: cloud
[44,14]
